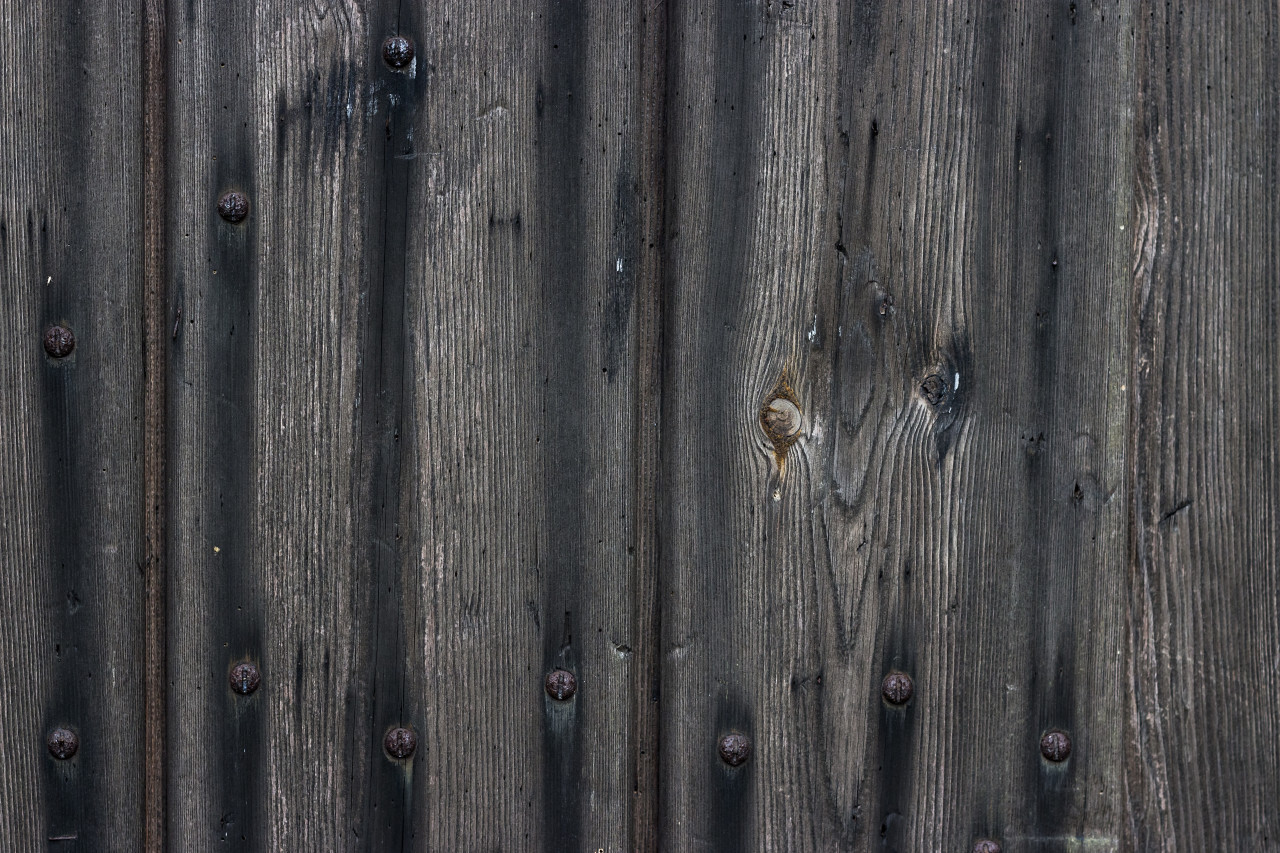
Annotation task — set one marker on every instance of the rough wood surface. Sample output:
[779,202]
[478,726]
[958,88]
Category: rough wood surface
[404,405]
[1204,586]
[71,550]
[500,373]
[913,218]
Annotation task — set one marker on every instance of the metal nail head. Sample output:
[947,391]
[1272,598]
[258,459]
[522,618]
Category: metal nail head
[63,743]
[397,51]
[561,684]
[1055,745]
[735,748]
[400,742]
[59,341]
[245,678]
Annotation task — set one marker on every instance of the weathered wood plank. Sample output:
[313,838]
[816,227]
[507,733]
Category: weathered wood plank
[524,246]
[1204,618]
[71,549]
[404,395]
[914,217]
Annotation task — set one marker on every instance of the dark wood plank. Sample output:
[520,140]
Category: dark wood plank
[525,243]
[1203,616]
[71,546]
[404,393]
[913,219]
[155,435]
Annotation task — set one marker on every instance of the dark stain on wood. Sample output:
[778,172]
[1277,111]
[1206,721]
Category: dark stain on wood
[385,431]
[562,752]
[730,787]
[566,368]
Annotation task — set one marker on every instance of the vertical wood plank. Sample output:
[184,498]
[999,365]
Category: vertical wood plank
[71,549]
[525,249]
[268,568]
[913,219]
[403,418]
[1203,615]
[155,445]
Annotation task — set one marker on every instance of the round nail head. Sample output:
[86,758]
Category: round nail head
[1055,745]
[245,678]
[986,845]
[63,743]
[400,743]
[397,51]
[735,748]
[59,341]
[561,684]
[233,206]
[897,688]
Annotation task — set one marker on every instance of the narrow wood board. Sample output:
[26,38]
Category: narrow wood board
[71,545]
[1204,591]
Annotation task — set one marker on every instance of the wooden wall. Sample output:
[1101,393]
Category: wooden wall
[729,356]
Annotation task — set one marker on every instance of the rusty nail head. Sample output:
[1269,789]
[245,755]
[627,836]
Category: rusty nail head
[233,206]
[897,688]
[400,742]
[245,678]
[397,51]
[561,684]
[1055,745]
[63,743]
[986,845]
[735,748]
[59,341]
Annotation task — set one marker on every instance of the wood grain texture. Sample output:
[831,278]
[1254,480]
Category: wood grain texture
[476,391]
[71,549]
[155,449]
[1204,617]
[404,396]
[914,216]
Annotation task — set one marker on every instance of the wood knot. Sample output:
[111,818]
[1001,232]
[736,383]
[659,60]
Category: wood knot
[781,419]
[934,389]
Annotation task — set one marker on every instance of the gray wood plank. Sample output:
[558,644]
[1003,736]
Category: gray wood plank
[1204,618]
[404,393]
[913,220]
[71,549]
